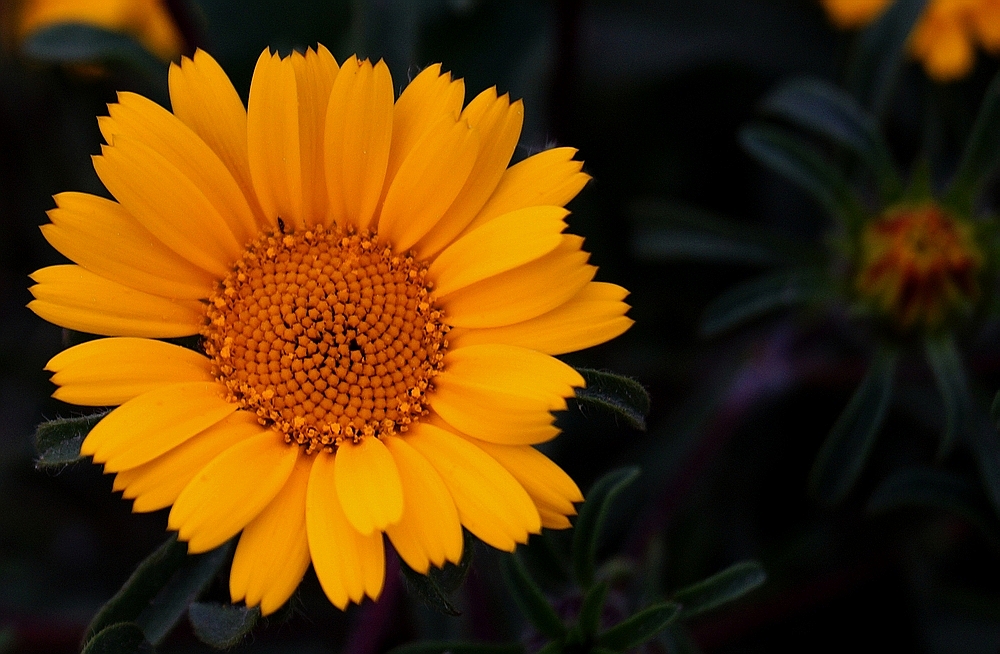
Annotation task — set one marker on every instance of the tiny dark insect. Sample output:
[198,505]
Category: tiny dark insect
[281,225]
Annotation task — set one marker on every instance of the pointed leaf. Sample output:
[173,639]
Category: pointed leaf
[879,55]
[435,587]
[617,395]
[824,109]
[759,296]
[802,164]
[222,625]
[731,584]
[74,43]
[531,600]
[587,531]
[639,628]
[982,152]
[846,449]
[591,608]
[58,441]
[457,647]
[949,373]
[118,638]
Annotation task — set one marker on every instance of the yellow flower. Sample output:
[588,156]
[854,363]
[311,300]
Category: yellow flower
[378,297]
[146,20]
[919,265]
[849,14]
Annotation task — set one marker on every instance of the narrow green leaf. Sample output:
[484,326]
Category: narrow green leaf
[118,638]
[58,441]
[826,110]
[981,154]
[880,53]
[949,373]
[846,449]
[985,445]
[531,600]
[591,608]
[759,296]
[458,647]
[435,587]
[587,531]
[618,395]
[799,162]
[73,43]
[221,625]
[639,628]
[731,584]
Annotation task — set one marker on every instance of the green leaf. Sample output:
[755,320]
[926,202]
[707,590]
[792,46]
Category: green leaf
[826,110]
[435,587]
[949,373]
[846,449]
[732,583]
[591,608]
[617,395]
[587,531]
[880,53]
[457,647]
[118,638]
[799,162]
[58,441]
[72,43]
[639,628]
[222,625]
[985,445]
[759,296]
[531,600]
[981,154]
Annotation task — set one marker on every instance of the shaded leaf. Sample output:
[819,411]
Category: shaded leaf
[879,54]
[58,441]
[732,583]
[73,43]
[639,628]
[846,449]
[587,531]
[981,154]
[222,625]
[995,410]
[531,600]
[435,587]
[618,395]
[457,647]
[985,445]
[759,296]
[591,608]
[826,110]
[802,164]
[118,638]
[949,374]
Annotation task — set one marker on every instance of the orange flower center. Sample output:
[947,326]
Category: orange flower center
[326,335]
[918,264]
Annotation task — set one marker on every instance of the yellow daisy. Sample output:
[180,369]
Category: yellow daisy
[378,298]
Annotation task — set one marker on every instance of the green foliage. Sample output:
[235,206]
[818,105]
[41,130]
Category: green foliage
[761,295]
[589,621]
[436,587]
[71,43]
[846,449]
[949,373]
[118,638]
[732,583]
[981,154]
[532,600]
[587,531]
[58,441]
[613,394]
[443,647]
[639,628]
[221,625]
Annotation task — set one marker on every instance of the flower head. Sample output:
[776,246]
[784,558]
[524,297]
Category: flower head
[378,298]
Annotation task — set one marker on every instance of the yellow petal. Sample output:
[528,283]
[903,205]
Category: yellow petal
[547,484]
[510,241]
[273,140]
[72,297]
[594,315]
[112,371]
[368,485]
[273,552]
[524,292]
[430,531]
[156,484]
[315,72]
[499,125]
[232,490]
[142,120]
[348,564]
[553,519]
[551,177]
[102,237]
[202,96]
[358,135]
[490,502]
[428,181]
[168,204]
[155,422]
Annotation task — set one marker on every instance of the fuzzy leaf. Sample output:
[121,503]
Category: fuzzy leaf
[457,647]
[949,373]
[618,395]
[118,638]
[221,625]
[591,608]
[981,154]
[435,587]
[532,601]
[639,628]
[587,531]
[985,445]
[58,441]
[732,583]
[759,296]
[846,449]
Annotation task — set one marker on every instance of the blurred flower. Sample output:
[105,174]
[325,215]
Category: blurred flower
[850,14]
[148,21]
[378,298]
